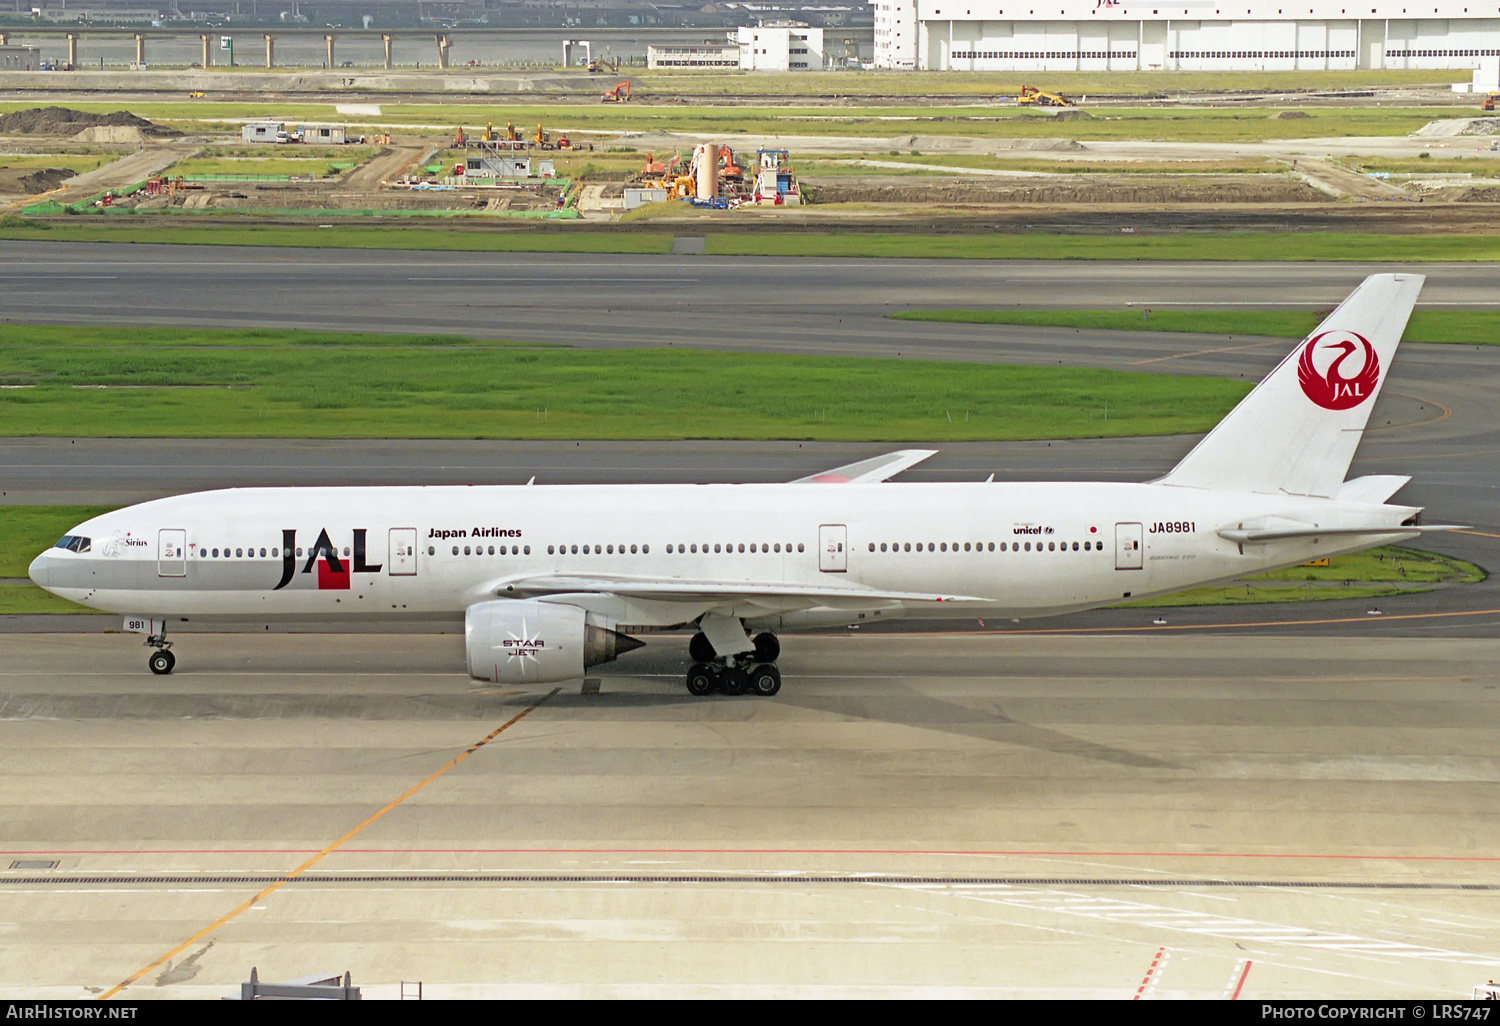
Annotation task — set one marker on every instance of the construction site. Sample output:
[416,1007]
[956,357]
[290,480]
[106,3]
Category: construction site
[1032,153]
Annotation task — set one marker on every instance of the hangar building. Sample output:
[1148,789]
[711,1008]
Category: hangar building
[1191,35]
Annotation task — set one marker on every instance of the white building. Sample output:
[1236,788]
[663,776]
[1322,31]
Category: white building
[1191,35]
[780,46]
[680,57]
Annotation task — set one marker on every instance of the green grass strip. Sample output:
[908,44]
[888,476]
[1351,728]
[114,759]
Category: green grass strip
[728,236]
[1454,327]
[267,383]
[26,530]
[24,599]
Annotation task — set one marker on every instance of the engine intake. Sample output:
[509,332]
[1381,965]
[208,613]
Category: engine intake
[512,641]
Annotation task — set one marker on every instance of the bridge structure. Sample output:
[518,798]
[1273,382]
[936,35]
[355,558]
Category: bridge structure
[388,37]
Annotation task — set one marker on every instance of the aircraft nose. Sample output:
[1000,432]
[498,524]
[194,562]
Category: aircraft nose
[40,570]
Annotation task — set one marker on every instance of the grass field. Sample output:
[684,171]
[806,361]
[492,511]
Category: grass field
[729,236]
[185,383]
[79,162]
[26,530]
[983,119]
[851,165]
[1455,327]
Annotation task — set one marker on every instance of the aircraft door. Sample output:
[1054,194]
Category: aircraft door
[832,557]
[403,556]
[171,553]
[1129,547]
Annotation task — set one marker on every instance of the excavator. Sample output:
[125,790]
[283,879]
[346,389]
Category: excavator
[619,94]
[1488,103]
[599,65]
[727,167]
[1031,96]
[544,141]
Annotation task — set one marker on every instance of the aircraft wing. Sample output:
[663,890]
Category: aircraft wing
[870,471]
[791,596]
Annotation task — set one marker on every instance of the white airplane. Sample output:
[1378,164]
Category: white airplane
[549,581]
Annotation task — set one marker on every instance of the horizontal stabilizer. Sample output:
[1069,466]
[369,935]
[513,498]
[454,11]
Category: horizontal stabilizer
[870,471]
[1373,488]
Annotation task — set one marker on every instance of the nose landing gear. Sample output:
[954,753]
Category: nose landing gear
[162,660]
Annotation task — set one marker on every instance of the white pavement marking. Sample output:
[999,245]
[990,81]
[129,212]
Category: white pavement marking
[1156,917]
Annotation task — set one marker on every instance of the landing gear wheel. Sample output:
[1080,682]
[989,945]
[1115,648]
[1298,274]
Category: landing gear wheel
[734,681]
[765,680]
[700,650]
[701,680]
[161,662]
[767,648]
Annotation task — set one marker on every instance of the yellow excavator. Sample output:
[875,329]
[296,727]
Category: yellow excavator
[1031,96]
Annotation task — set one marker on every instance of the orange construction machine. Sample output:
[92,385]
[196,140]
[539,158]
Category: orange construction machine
[619,94]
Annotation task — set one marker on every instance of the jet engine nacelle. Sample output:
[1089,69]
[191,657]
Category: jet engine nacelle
[512,641]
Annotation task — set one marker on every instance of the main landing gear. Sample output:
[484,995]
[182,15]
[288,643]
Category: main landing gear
[162,660]
[754,672]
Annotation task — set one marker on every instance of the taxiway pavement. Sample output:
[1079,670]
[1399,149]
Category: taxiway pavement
[915,815]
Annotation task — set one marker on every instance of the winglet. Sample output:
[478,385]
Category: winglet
[870,471]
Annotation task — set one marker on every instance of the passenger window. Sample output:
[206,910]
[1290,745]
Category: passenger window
[944,546]
[645,549]
[216,553]
[466,550]
[872,546]
[742,546]
[274,553]
[1028,546]
[431,550]
[611,550]
[632,550]
[778,546]
[1075,546]
[346,550]
[716,546]
[527,550]
[992,546]
[455,550]
[575,550]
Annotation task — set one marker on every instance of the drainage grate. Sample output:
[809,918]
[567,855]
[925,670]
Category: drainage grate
[34,864]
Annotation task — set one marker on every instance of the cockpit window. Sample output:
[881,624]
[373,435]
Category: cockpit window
[73,543]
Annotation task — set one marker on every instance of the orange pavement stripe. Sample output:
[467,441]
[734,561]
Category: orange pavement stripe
[210,928]
[1482,534]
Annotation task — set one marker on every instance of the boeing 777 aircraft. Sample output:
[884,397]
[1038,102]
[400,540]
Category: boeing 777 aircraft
[549,581]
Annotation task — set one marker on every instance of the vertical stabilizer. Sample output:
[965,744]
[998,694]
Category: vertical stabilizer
[1297,431]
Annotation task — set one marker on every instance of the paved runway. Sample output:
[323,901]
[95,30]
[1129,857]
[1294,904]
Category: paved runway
[809,305]
[1169,810]
[914,815]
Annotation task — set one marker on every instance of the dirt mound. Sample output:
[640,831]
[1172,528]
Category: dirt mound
[31,181]
[1046,145]
[65,121]
[1482,126]
[1072,114]
[111,134]
[1290,115]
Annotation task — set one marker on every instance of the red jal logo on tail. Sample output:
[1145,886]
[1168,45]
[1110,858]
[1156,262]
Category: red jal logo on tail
[1330,389]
